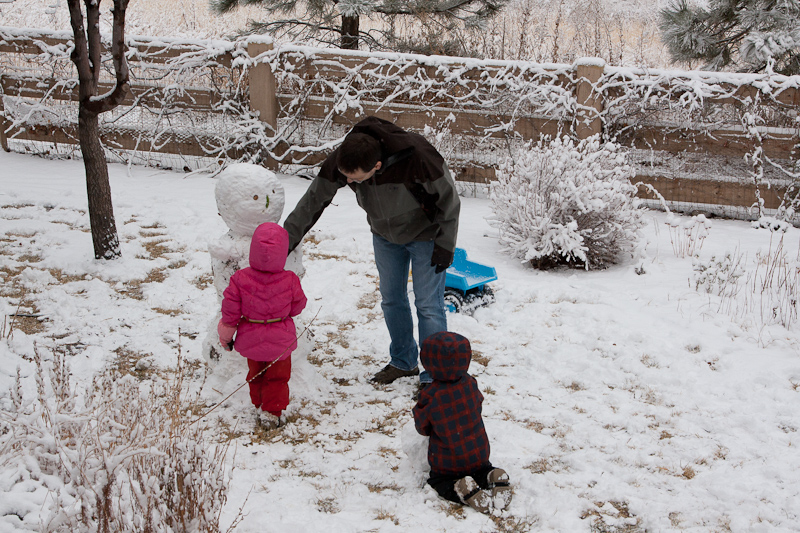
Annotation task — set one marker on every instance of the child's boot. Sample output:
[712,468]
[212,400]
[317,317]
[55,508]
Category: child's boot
[268,421]
[472,495]
[500,488]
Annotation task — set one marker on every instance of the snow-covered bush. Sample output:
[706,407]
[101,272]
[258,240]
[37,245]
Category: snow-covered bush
[719,275]
[123,456]
[760,292]
[561,203]
[687,236]
[774,285]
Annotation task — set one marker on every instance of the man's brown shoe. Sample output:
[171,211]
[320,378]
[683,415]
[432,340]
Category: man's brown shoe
[390,373]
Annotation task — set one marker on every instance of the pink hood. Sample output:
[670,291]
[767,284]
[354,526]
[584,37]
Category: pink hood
[269,247]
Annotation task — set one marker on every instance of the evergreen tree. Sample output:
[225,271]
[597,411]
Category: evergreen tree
[748,35]
[337,22]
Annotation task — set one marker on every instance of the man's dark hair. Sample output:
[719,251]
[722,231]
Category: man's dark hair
[359,151]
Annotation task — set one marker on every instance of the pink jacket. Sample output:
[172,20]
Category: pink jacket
[262,292]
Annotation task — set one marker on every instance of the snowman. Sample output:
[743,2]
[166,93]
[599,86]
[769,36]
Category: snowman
[247,195]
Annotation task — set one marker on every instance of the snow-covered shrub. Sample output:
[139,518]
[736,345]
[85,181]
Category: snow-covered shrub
[760,292]
[123,456]
[774,285]
[719,276]
[687,236]
[561,203]
[775,224]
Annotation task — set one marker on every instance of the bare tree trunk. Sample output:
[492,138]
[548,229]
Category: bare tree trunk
[87,56]
[350,33]
[556,35]
[98,189]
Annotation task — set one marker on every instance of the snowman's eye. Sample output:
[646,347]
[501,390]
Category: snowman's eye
[255,197]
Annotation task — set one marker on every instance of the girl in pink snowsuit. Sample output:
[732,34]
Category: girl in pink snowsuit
[258,307]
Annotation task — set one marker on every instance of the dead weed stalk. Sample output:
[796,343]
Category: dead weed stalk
[122,449]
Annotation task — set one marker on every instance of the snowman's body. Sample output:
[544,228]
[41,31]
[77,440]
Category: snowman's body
[247,196]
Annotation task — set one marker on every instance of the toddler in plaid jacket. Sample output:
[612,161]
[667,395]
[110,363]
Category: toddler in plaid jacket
[449,412]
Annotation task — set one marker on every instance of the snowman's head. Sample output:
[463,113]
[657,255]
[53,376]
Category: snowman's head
[248,195]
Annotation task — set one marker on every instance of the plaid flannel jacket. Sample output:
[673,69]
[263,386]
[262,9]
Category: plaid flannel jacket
[449,409]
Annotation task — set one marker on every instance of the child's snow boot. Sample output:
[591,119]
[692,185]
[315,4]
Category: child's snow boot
[472,495]
[499,487]
[267,420]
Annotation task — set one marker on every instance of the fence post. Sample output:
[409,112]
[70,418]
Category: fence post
[588,71]
[262,90]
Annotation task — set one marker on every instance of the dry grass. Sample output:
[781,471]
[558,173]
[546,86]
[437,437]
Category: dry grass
[316,358]
[26,316]
[142,440]
[155,248]
[369,300]
[310,250]
[167,312]
[649,361]
[480,358]
[154,225]
[30,258]
[319,256]
[338,338]
[389,423]
[386,515]
[204,281]
[63,278]
[514,524]
[620,511]
[453,510]
[131,363]
[327,505]
[227,432]
[381,487]
[539,467]
[133,288]
[10,287]
[29,324]
[574,386]
[535,425]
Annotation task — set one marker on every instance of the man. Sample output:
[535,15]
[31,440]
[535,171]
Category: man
[412,207]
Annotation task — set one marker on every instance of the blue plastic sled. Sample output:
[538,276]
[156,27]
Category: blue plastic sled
[466,286]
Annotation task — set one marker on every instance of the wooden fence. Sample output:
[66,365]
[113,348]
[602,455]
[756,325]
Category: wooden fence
[589,84]
[36,86]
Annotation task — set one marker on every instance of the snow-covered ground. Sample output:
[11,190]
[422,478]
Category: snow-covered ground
[617,400]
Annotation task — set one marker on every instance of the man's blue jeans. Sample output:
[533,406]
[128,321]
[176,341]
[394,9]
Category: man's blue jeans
[393,262]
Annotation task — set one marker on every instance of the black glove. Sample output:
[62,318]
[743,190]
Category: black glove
[441,258]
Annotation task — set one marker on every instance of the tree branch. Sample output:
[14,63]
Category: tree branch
[80,54]
[94,40]
[116,96]
[448,8]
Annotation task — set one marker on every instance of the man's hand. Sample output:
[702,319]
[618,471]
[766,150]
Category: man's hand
[441,258]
